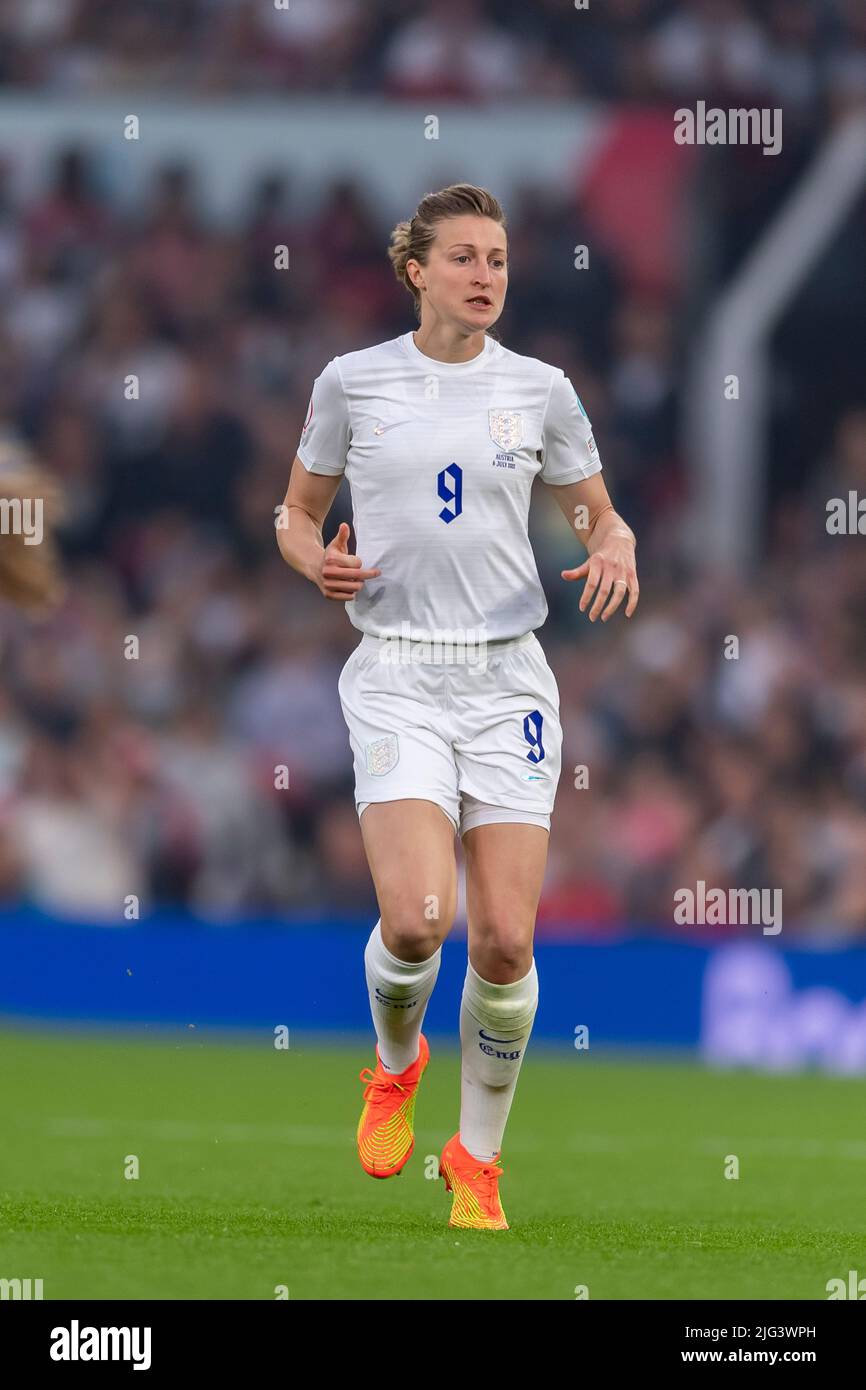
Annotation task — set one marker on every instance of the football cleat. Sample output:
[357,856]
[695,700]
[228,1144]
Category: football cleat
[475,1185]
[386,1136]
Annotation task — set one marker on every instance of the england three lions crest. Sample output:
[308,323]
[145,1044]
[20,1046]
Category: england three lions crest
[506,428]
[382,755]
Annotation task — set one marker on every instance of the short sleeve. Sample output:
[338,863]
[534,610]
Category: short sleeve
[326,434]
[568,450]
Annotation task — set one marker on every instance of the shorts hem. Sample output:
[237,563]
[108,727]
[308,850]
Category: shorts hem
[480,815]
[361,806]
[503,815]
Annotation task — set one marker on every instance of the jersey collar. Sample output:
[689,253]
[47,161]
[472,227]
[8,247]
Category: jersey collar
[431,364]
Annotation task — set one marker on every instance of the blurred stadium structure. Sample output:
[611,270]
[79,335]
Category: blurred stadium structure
[308,127]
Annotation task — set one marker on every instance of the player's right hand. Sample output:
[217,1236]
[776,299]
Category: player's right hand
[340,576]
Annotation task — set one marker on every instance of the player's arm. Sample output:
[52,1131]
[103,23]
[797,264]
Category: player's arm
[610,571]
[309,497]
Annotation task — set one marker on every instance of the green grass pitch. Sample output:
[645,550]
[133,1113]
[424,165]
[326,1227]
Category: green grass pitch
[614,1177]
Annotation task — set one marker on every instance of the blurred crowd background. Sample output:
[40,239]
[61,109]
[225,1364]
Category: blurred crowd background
[155,776]
[800,52]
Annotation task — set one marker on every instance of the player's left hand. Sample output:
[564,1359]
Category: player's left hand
[610,574]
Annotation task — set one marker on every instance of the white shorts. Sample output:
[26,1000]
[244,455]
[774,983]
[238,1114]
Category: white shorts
[484,742]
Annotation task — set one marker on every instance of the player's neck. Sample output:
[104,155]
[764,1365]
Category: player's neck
[444,344]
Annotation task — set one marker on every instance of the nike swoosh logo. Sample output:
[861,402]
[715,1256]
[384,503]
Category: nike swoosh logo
[383,429]
[488,1038]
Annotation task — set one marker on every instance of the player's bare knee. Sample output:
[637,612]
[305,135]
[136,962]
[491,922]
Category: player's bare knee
[505,952]
[409,935]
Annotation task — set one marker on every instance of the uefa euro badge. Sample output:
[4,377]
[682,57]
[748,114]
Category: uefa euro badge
[382,755]
[506,428]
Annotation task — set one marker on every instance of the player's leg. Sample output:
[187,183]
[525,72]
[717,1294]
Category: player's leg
[407,799]
[410,849]
[509,757]
[505,866]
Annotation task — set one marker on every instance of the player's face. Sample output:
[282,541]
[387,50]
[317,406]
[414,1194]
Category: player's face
[467,271]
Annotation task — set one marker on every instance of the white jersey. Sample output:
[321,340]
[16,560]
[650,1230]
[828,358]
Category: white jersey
[440,459]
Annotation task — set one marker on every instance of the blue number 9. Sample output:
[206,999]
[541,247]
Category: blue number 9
[532,733]
[451,494]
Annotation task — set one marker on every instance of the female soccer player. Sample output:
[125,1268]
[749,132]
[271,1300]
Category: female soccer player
[452,709]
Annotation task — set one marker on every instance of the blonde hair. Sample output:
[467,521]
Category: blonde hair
[412,240]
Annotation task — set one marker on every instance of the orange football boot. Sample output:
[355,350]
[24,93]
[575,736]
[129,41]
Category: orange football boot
[475,1184]
[386,1136]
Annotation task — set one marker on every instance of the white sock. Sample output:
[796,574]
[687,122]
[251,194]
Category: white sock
[399,991]
[495,1024]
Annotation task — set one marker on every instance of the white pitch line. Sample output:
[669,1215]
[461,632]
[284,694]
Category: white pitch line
[180,1131]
